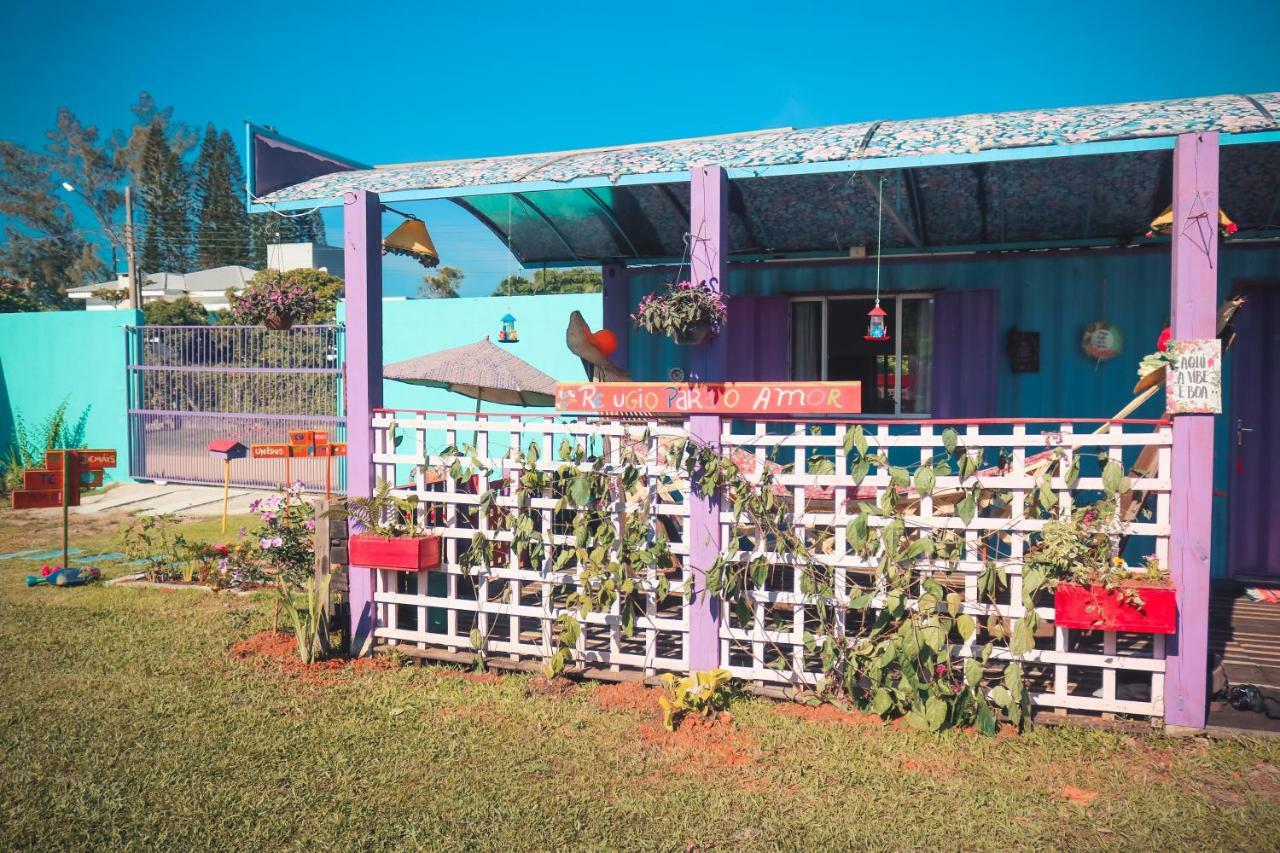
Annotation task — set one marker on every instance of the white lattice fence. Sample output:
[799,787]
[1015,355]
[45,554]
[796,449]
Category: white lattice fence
[1068,669]
[512,602]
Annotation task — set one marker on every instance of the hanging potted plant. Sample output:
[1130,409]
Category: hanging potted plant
[1093,587]
[274,303]
[688,313]
[391,538]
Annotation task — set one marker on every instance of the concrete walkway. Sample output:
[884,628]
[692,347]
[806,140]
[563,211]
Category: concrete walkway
[182,500]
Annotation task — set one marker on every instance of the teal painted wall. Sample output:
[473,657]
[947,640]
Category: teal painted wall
[1054,293]
[77,355]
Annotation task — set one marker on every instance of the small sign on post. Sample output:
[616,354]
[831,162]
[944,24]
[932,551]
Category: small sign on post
[1194,385]
[65,474]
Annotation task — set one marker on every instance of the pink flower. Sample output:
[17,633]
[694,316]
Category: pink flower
[311,524]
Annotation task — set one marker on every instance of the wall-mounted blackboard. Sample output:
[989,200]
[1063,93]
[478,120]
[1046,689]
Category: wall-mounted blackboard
[1023,349]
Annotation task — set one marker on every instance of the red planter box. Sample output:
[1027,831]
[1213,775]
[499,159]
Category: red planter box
[402,553]
[1099,609]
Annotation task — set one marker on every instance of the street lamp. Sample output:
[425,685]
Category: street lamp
[135,294]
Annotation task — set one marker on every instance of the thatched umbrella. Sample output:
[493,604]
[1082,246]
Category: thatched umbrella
[482,370]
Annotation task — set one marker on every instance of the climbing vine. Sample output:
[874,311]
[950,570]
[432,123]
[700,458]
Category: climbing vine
[901,644]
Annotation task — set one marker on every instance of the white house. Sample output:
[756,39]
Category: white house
[209,287]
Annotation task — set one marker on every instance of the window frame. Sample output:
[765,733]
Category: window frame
[895,320]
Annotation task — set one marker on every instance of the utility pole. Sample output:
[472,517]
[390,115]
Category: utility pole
[135,289]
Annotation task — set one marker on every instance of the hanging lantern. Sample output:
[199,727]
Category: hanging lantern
[508,334]
[410,239]
[877,329]
[1163,224]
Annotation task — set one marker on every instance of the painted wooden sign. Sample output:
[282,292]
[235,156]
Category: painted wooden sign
[1194,383]
[42,487]
[270,451]
[37,499]
[711,398]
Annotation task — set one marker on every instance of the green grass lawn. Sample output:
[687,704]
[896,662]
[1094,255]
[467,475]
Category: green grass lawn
[127,723]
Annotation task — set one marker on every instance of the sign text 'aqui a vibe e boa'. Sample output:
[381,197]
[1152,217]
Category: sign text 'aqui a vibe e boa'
[711,398]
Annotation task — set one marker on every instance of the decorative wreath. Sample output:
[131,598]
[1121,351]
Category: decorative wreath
[1102,340]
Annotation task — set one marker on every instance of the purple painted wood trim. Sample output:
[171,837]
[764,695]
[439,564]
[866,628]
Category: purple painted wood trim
[1194,297]
[759,338]
[709,258]
[219,368]
[966,332]
[362,244]
[187,413]
[704,548]
[617,285]
[708,261]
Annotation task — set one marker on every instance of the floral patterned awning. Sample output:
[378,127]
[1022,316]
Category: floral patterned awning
[619,203]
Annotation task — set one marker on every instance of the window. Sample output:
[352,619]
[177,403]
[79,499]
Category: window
[827,343]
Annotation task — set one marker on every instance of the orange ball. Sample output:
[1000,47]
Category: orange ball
[605,341]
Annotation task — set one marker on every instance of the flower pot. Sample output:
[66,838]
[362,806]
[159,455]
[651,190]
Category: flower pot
[401,553]
[698,333]
[1097,608]
[278,322]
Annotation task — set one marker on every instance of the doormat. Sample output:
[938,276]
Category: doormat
[1263,594]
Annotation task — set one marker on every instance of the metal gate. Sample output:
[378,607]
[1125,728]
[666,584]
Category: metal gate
[191,384]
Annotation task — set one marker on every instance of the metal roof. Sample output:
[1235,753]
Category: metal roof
[950,183]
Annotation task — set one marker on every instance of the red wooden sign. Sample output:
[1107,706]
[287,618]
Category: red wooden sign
[92,460]
[36,479]
[42,499]
[296,451]
[712,398]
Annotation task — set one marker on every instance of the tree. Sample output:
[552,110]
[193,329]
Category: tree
[130,148]
[573,280]
[92,170]
[443,284]
[163,203]
[16,297]
[222,235]
[176,312]
[326,288]
[42,244]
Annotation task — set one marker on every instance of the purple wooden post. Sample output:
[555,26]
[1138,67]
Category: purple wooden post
[616,316]
[708,244]
[1194,297]
[362,244]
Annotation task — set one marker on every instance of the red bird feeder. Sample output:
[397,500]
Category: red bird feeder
[877,330]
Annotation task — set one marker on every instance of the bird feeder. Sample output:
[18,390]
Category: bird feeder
[411,240]
[508,334]
[877,329]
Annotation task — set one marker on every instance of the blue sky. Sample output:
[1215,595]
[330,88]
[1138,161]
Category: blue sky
[388,83]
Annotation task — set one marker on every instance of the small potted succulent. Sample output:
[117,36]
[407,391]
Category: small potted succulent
[1093,587]
[391,538]
[275,304]
[688,313]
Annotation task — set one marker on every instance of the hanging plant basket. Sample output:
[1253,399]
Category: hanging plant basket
[1095,608]
[278,322]
[688,313]
[695,335]
[400,553]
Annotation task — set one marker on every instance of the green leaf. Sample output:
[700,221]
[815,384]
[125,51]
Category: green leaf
[924,480]
[881,702]
[901,476]
[966,625]
[967,507]
[917,720]
[985,720]
[1073,472]
[580,490]
[949,440]
[1001,696]
[1023,640]
[1113,478]
[476,638]
[1013,678]
[856,532]
[935,712]
[860,470]
[954,602]
[858,440]
[967,464]
[972,672]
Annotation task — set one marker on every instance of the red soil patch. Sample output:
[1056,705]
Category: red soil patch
[702,746]
[628,696]
[279,651]
[1079,796]
[468,675]
[556,688]
[828,715]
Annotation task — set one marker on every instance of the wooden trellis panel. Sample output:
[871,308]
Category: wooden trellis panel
[514,607]
[1069,669]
